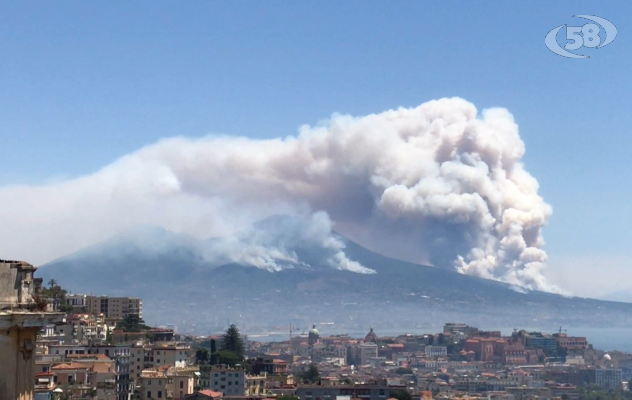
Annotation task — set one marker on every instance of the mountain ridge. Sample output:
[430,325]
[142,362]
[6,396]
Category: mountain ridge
[180,286]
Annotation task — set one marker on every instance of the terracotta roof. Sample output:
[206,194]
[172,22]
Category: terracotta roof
[70,366]
[210,393]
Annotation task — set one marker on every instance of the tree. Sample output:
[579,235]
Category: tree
[232,342]
[52,283]
[401,395]
[311,375]
[227,357]
[132,323]
[213,352]
[287,397]
[201,356]
[403,371]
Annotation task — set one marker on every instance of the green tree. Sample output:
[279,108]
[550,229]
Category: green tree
[227,357]
[213,352]
[403,371]
[311,375]
[52,283]
[401,395]
[132,323]
[201,356]
[232,341]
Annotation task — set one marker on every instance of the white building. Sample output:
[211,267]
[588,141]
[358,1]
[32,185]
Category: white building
[436,351]
[230,381]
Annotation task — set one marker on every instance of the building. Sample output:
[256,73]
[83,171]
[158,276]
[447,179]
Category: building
[365,392]
[204,395]
[114,307]
[607,378]
[22,316]
[256,385]
[361,353]
[436,351]
[121,356]
[572,342]
[230,381]
[167,383]
[268,366]
[313,335]
[370,337]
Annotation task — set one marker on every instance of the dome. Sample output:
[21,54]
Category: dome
[607,357]
[314,332]
[370,337]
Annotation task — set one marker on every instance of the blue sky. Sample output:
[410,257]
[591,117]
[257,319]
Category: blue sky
[83,83]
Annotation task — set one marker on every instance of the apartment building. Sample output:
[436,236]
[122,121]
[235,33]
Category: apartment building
[230,381]
[112,307]
[167,383]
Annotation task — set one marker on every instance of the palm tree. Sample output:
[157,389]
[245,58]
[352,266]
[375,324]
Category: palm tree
[52,283]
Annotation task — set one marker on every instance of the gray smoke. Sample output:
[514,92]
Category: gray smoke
[436,184]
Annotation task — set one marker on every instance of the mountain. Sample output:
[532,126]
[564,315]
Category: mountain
[184,281]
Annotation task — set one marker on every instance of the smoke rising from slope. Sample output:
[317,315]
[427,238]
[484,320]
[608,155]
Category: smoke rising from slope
[435,183]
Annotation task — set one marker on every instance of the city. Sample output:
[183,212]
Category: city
[98,347]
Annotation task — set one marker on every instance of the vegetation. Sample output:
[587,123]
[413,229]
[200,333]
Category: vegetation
[594,392]
[401,395]
[287,397]
[232,342]
[201,356]
[311,375]
[132,323]
[57,293]
[403,371]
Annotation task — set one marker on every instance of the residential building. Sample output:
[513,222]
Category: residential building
[114,307]
[167,383]
[230,381]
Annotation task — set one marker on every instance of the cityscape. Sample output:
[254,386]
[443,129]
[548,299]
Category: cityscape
[99,347]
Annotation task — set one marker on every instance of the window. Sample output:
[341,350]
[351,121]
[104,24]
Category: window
[216,383]
[160,394]
[181,384]
[149,382]
[159,383]
[149,394]
[223,387]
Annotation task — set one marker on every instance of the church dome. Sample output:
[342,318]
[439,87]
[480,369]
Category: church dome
[313,333]
[370,337]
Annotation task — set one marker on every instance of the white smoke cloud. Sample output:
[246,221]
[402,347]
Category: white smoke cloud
[436,183]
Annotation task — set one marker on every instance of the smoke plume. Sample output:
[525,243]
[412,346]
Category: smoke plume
[435,184]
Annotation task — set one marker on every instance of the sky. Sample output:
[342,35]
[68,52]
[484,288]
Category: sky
[84,83]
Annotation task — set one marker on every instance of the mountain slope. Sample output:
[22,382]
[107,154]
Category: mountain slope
[180,285]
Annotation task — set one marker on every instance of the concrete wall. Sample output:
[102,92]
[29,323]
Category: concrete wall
[17,365]
[16,283]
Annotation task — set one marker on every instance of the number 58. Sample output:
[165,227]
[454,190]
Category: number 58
[590,36]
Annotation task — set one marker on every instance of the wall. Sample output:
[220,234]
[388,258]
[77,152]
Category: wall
[17,363]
